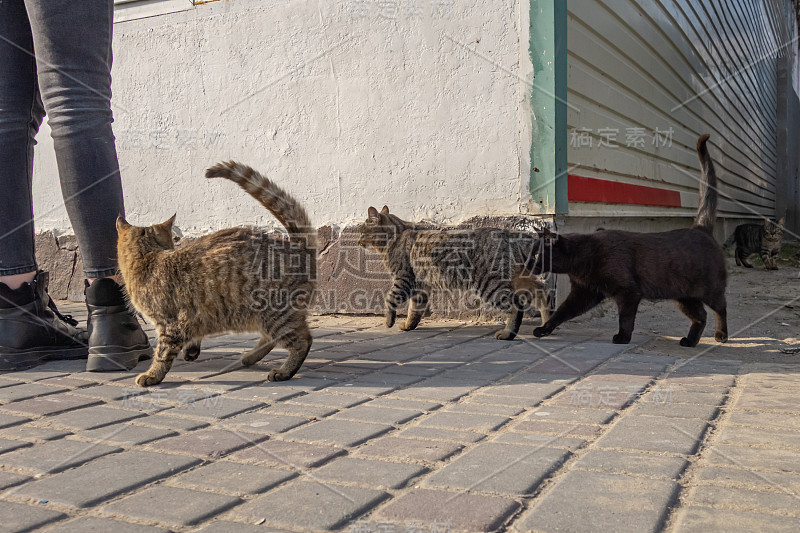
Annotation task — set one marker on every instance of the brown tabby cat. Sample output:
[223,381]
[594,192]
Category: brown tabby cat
[763,239]
[233,280]
[686,265]
[493,263]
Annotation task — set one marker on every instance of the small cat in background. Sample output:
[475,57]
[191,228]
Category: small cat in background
[493,263]
[763,239]
[237,279]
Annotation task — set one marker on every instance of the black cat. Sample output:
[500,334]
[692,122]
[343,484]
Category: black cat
[686,265]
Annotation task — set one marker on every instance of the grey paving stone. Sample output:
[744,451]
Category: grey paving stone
[234,478]
[752,479]
[265,422]
[484,409]
[67,382]
[753,458]
[32,433]
[327,399]
[655,434]
[497,467]
[11,420]
[766,437]
[111,392]
[105,478]
[669,395]
[410,449]
[582,501]
[325,506]
[41,372]
[214,408]
[186,507]
[420,369]
[580,416]
[375,474]
[398,403]
[535,439]
[224,526]
[764,420]
[48,405]
[7,445]
[459,511]
[309,412]
[437,390]
[773,501]
[93,524]
[294,455]
[55,456]
[209,442]
[23,391]
[92,417]
[561,429]
[338,432]
[707,520]
[532,393]
[125,434]
[170,422]
[378,415]
[613,462]
[9,479]
[19,517]
[676,410]
[464,421]
[418,432]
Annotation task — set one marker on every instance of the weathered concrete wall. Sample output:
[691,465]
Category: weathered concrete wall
[346,104]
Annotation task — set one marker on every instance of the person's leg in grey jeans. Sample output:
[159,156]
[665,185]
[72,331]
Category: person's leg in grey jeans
[55,57]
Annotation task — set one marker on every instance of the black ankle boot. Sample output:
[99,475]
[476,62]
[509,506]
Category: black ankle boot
[32,330]
[116,340]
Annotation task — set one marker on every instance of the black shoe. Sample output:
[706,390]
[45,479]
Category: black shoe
[32,330]
[116,340]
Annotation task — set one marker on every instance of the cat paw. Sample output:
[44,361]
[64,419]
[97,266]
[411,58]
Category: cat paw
[620,339]
[720,337]
[390,317]
[540,332]
[505,335]
[687,343]
[277,375]
[405,326]
[146,380]
[191,353]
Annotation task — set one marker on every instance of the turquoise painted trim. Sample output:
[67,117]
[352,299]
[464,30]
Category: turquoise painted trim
[548,53]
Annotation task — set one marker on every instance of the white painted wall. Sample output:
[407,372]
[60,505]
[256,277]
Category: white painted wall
[424,110]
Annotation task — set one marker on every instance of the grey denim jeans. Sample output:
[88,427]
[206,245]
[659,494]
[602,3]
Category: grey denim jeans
[55,58]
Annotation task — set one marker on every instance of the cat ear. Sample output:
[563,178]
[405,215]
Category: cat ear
[167,225]
[782,220]
[122,224]
[385,210]
[373,215]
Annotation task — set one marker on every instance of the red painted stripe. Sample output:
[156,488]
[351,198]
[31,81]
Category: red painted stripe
[580,189]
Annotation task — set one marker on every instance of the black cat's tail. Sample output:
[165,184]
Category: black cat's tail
[279,202]
[707,211]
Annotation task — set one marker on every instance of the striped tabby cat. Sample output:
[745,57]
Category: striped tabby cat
[233,280]
[763,239]
[493,263]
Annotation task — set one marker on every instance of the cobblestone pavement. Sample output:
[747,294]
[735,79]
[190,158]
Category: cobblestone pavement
[439,429]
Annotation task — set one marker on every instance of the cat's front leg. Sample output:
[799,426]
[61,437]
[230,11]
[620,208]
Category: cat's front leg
[168,347]
[400,292]
[416,310]
[627,306]
[579,300]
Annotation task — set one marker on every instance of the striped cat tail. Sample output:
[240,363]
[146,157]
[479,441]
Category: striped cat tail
[707,211]
[279,202]
[728,243]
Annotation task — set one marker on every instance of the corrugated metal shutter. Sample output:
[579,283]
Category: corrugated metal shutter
[646,78]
